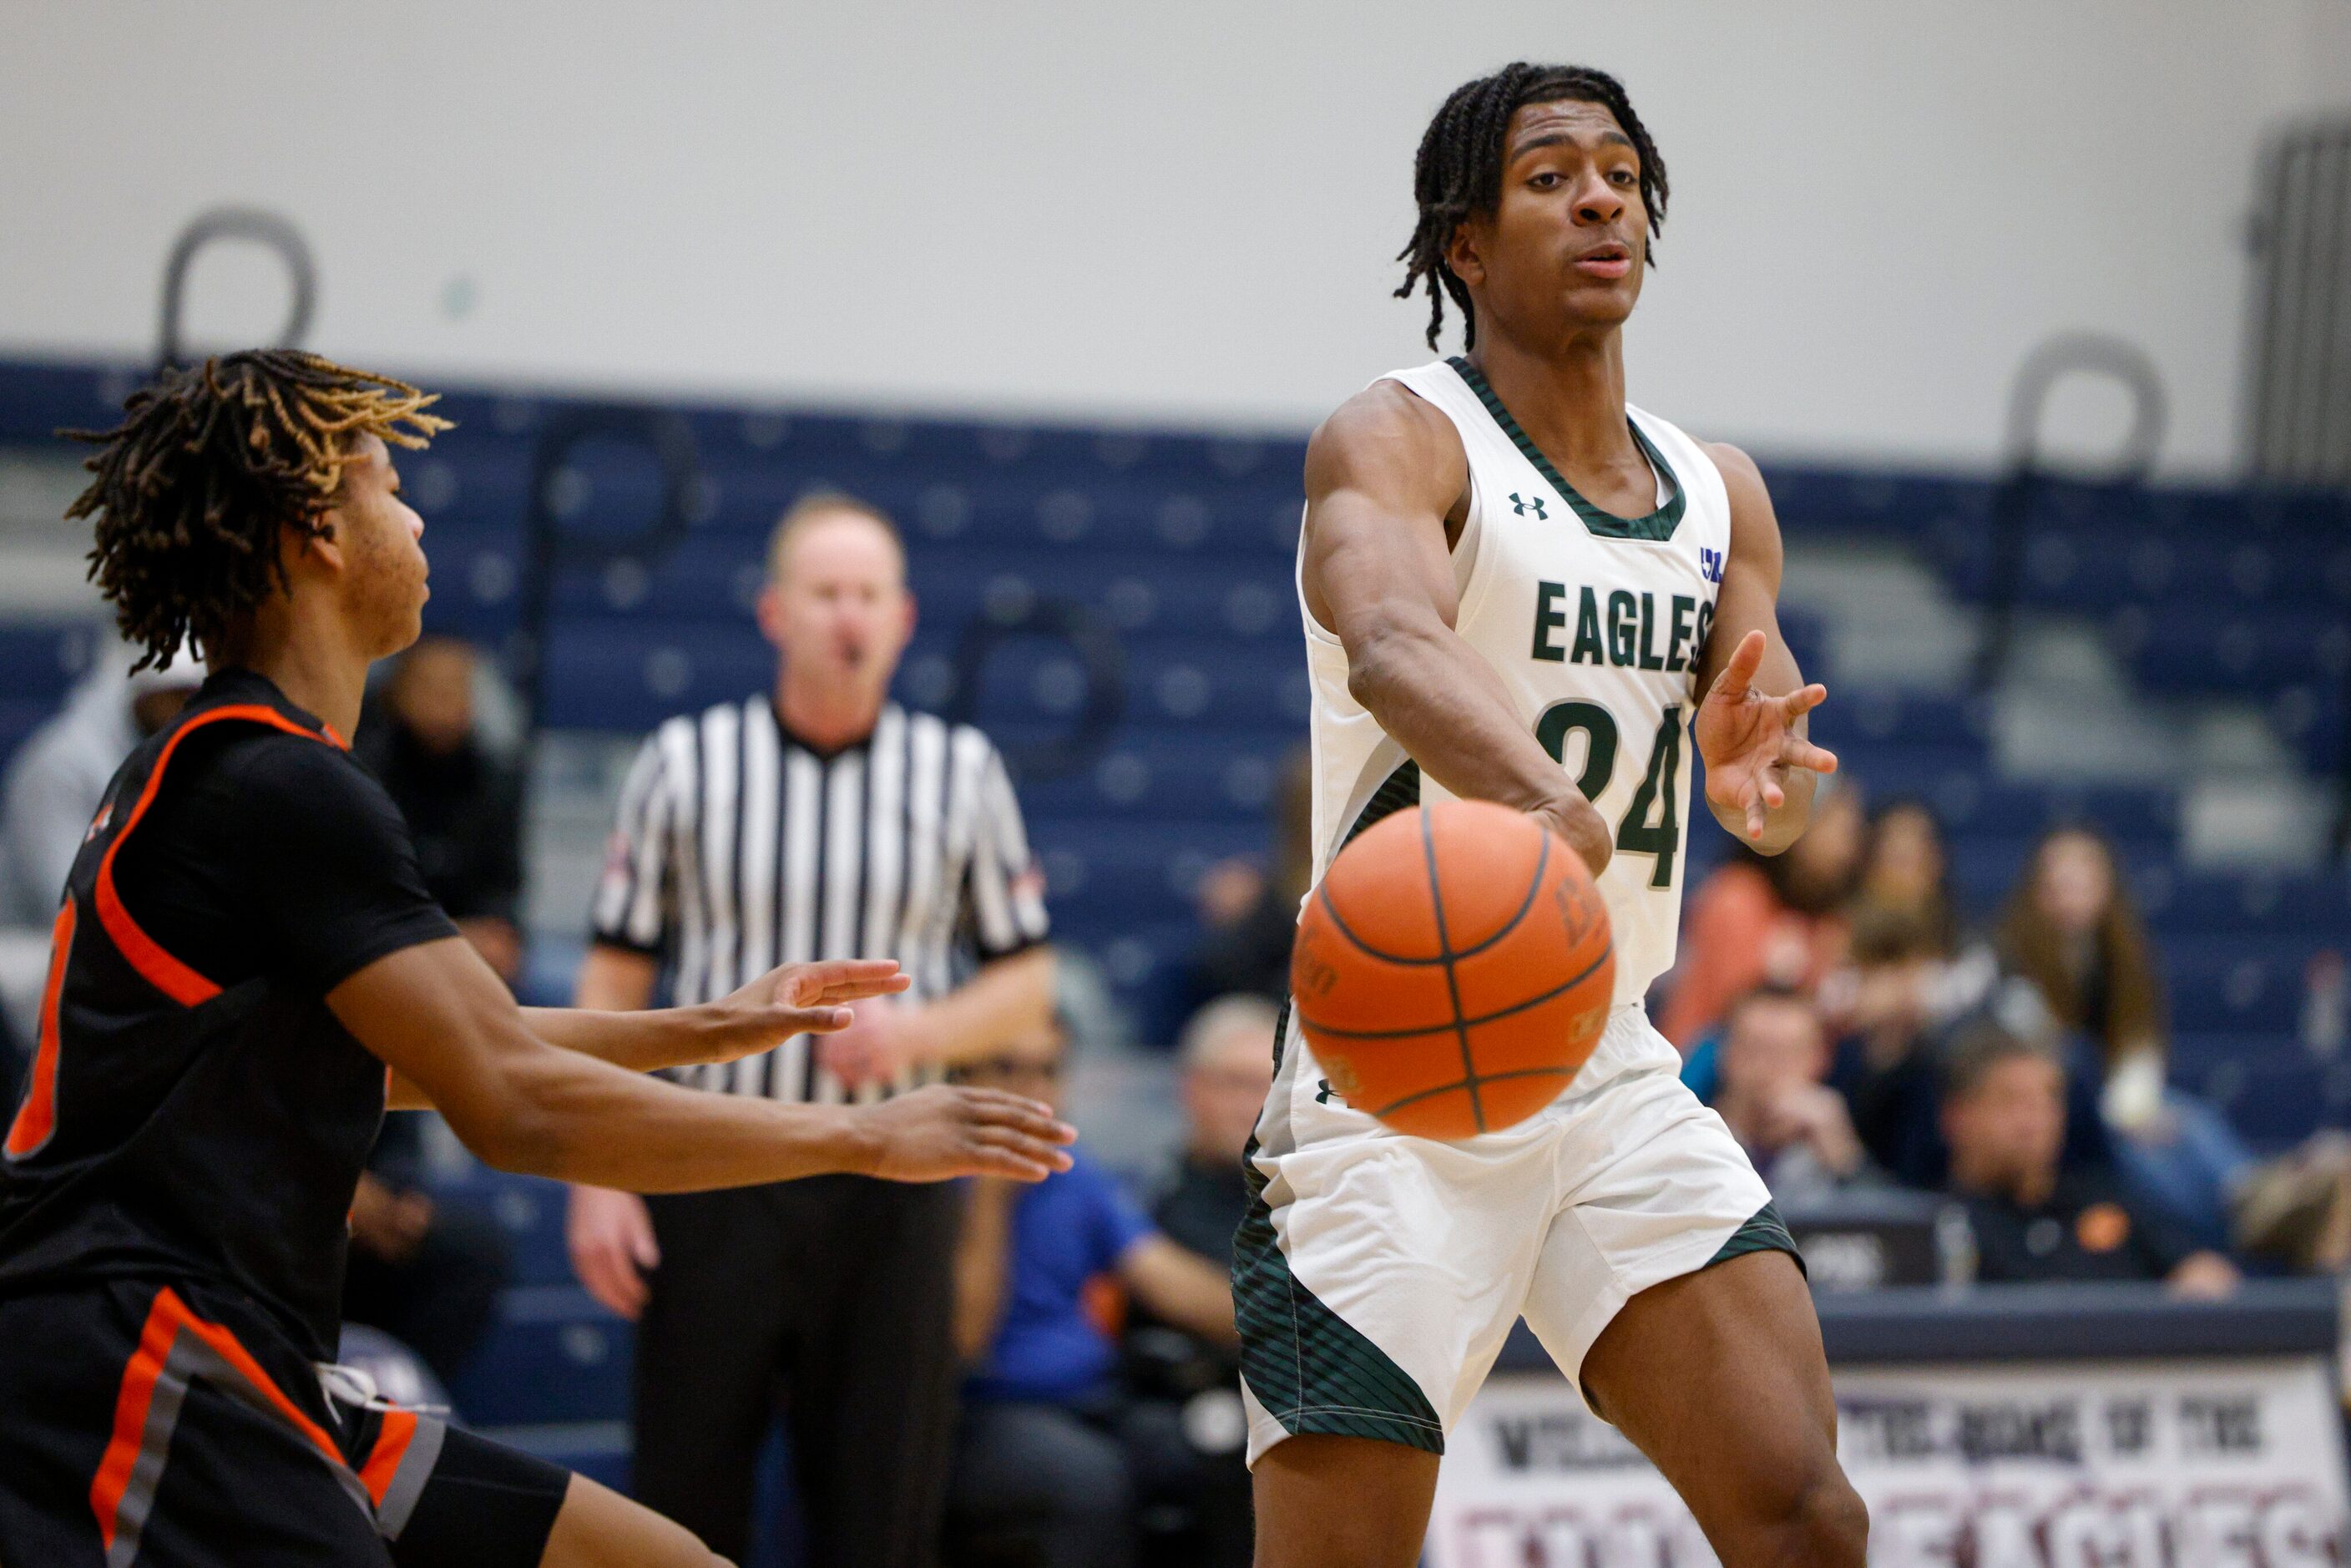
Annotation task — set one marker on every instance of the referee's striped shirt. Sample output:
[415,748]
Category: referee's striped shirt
[738,848]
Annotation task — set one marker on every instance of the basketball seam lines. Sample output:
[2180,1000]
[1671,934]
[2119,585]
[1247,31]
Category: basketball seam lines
[1534,891]
[1452,981]
[1467,1023]
[1488,1078]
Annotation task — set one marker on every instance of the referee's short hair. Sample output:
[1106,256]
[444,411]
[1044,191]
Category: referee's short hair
[818,504]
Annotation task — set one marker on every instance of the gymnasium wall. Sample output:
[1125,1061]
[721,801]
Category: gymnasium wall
[1153,211]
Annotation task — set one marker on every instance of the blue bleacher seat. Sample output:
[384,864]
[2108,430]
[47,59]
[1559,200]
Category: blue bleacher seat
[553,1355]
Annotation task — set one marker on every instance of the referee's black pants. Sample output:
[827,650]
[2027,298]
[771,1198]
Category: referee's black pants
[830,1298]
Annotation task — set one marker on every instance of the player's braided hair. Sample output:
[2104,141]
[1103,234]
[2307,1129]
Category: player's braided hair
[1458,172]
[208,463]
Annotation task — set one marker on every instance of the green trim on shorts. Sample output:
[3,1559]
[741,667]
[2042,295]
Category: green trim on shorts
[1311,1370]
[1762,1232]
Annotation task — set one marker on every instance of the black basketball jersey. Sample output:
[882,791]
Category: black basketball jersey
[194,1109]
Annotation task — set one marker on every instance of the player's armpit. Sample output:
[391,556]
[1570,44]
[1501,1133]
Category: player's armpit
[401,1094]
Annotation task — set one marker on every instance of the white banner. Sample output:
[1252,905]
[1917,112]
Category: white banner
[2188,1464]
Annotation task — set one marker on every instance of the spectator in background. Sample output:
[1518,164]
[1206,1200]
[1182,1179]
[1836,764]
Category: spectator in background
[427,1272]
[1044,1465]
[2070,929]
[1225,1053]
[58,780]
[2072,933]
[1906,867]
[1886,1067]
[1250,916]
[1189,1384]
[1758,919]
[1774,1058]
[463,803]
[2004,1117]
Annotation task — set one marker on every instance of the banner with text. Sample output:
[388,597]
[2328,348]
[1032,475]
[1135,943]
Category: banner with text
[2188,1464]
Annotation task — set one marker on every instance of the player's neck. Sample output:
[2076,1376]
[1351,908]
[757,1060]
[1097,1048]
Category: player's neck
[825,719]
[310,664]
[1568,396]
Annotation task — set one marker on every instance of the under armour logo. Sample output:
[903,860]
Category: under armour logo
[1522,507]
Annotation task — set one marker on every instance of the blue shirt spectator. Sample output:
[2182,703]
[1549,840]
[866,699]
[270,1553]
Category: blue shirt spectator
[1071,1228]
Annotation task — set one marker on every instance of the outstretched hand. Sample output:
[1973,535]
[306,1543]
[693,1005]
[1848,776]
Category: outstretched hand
[802,999]
[1749,740]
[935,1133]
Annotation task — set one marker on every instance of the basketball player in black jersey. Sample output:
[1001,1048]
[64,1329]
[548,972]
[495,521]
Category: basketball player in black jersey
[245,967]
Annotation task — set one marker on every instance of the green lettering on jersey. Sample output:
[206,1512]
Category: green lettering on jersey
[1547,620]
[1636,834]
[1599,726]
[1587,632]
[1624,628]
[1678,634]
[1705,628]
[1649,660]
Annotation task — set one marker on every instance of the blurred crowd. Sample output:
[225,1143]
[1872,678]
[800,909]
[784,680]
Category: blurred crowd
[1859,1034]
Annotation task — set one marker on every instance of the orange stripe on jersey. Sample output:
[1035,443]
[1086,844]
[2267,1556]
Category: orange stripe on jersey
[392,1442]
[161,970]
[37,1117]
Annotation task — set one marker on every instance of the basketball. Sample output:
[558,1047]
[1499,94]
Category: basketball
[1454,969]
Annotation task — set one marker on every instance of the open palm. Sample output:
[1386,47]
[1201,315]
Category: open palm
[1749,740]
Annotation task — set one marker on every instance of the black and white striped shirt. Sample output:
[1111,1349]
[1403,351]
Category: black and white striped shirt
[738,848]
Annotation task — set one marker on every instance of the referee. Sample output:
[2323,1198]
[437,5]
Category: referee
[819,819]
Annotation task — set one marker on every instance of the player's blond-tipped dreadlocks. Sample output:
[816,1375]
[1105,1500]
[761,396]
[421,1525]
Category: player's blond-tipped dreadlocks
[208,463]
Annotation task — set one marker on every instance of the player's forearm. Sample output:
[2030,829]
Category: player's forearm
[569,1116]
[642,1041]
[1435,695]
[1006,1000]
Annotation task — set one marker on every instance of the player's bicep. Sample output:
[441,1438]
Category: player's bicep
[447,1027]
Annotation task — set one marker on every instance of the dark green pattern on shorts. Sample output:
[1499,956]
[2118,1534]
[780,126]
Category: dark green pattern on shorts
[1306,1364]
[1311,1370]
[1763,1232]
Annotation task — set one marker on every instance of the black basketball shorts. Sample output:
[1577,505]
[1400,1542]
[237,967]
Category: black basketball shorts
[153,1425]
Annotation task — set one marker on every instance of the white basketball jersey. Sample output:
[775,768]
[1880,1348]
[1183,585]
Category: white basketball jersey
[1594,622]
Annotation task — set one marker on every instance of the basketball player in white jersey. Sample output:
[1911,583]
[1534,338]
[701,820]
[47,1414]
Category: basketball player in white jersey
[1517,588]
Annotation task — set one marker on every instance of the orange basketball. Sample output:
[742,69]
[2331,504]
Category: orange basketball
[1454,969]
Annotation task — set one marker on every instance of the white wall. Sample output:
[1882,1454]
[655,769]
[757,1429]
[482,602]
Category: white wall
[1150,211]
